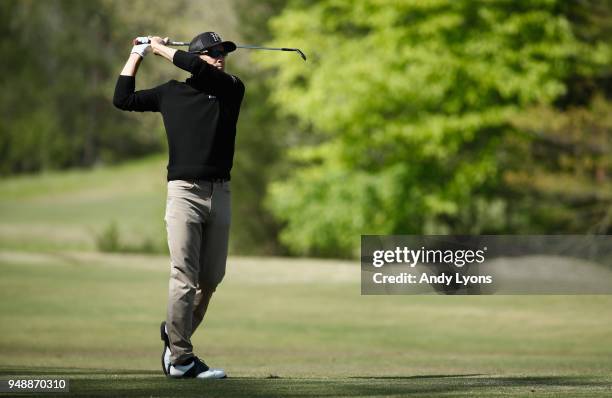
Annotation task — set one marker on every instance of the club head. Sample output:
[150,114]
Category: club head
[301,54]
[251,47]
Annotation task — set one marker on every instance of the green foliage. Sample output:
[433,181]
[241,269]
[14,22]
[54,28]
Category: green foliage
[260,140]
[408,107]
[61,59]
[559,174]
[257,160]
[563,176]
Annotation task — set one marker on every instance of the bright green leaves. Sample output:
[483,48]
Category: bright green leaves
[413,100]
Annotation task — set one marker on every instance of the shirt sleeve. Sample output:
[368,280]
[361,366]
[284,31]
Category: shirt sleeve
[127,99]
[206,76]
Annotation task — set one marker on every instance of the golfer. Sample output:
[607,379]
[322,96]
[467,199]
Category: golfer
[200,116]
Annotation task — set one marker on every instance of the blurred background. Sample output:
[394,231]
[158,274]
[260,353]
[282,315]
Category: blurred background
[409,117]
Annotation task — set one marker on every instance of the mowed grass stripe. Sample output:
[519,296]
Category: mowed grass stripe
[68,210]
[89,310]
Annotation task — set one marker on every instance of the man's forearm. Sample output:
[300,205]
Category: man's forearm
[163,51]
[131,66]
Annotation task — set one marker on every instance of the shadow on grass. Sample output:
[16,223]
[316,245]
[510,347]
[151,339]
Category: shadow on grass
[137,383]
[48,371]
[414,377]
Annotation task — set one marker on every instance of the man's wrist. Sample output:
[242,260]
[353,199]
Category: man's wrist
[156,46]
[141,49]
[131,66]
[164,51]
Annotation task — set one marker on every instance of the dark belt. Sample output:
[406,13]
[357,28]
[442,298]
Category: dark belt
[217,180]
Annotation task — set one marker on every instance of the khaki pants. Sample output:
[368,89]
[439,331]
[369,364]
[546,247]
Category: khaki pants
[197,222]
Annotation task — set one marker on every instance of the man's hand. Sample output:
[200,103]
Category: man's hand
[141,49]
[157,44]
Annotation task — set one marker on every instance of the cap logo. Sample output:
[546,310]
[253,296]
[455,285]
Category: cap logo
[215,37]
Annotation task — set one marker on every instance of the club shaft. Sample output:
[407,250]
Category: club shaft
[184,43]
[266,48]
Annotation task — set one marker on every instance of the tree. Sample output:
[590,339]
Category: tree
[259,156]
[405,109]
[60,63]
[560,181]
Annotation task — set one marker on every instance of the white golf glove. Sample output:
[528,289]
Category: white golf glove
[142,49]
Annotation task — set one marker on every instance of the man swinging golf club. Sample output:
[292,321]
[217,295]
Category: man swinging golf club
[200,117]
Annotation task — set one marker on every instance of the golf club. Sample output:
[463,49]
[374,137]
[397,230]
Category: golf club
[250,47]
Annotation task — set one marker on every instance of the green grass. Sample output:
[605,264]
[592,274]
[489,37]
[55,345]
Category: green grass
[280,327]
[103,383]
[93,318]
[68,210]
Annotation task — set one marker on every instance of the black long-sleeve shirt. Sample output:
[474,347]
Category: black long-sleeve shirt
[200,117]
